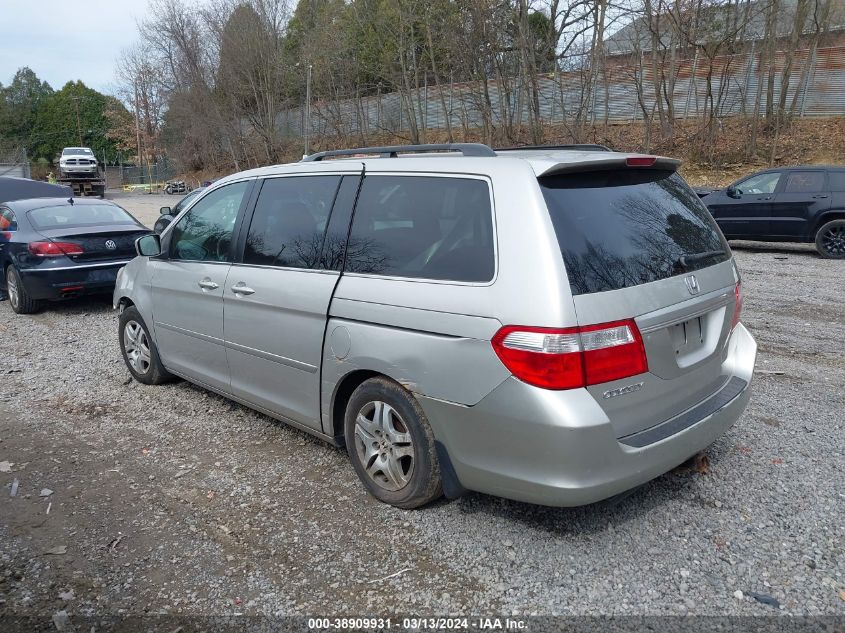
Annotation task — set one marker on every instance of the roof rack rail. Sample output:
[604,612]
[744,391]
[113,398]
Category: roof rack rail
[392,151]
[584,147]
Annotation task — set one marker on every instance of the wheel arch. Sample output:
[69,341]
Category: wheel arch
[124,302]
[827,216]
[343,390]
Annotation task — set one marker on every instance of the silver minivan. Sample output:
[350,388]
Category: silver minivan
[555,325]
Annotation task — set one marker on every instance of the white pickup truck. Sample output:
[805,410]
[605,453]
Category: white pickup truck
[78,168]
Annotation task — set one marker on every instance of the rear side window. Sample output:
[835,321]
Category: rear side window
[837,180]
[290,221]
[618,229]
[423,227]
[804,182]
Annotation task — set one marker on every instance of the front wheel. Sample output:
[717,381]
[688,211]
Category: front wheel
[391,444]
[168,190]
[139,352]
[830,240]
[19,298]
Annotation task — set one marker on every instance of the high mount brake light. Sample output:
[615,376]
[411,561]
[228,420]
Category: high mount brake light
[640,161]
[568,358]
[54,249]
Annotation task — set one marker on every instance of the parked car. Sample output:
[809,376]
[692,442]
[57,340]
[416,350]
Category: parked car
[166,214]
[58,248]
[795,204]
[552,326]
[78,161]
[13,188]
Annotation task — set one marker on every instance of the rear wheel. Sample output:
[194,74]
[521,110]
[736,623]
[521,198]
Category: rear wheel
[391,444]
[830,240]
[19,298]
[139,351]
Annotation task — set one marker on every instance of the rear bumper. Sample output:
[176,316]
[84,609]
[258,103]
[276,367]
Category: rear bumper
[67,282]
[558,448]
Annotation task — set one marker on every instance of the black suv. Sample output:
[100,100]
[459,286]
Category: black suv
[794,204]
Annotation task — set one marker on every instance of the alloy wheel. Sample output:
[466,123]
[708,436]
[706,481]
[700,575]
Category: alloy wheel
[833,240]
[384,445]
[12,287]
[136,347]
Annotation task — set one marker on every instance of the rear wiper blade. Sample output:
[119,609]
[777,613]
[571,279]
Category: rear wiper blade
[686,260]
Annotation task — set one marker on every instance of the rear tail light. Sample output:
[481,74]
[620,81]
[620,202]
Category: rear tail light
[738,298]
[568,358]
[54,249]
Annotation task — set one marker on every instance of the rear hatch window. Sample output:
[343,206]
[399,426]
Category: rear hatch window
[624,228]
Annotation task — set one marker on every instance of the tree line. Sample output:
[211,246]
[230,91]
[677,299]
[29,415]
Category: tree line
[37,122]
[210,83]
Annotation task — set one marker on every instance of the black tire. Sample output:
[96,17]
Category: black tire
[168,190]
[419,473]
[19,298]
[830,240]
[151,371]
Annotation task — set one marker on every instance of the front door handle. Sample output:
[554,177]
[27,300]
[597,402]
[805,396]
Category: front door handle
[820,196]
[207,284]
[242,289]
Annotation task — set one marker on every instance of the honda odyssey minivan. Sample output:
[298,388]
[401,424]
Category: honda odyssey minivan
[551,325]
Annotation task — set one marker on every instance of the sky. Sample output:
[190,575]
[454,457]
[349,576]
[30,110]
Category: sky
[64,40]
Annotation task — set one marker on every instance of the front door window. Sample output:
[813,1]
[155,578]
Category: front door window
[204,234]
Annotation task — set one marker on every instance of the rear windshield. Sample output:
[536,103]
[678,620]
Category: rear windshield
[625,228]
[79,215]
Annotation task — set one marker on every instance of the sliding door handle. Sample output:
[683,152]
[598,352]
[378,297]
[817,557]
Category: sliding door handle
[242,289]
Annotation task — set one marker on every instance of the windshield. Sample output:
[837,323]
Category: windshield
[79,215]
[77,150]
[624,228]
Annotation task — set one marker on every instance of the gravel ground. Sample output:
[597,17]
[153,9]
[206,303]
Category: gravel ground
[145,207]
[173,500]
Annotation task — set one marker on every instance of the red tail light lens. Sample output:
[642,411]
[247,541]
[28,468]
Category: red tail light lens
[54,249]
[568,358]
[640,161]
[738,298]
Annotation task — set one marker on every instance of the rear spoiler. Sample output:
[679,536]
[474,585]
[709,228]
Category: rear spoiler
[606,161]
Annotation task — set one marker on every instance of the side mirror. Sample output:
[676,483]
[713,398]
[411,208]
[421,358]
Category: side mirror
[148,246]
[165,211]
[733,192]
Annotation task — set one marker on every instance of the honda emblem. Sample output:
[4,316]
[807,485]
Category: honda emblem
[692,284]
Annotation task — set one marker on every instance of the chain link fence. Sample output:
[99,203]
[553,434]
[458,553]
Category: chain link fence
[14,162]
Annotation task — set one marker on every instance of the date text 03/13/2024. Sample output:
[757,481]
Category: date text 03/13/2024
[418,623]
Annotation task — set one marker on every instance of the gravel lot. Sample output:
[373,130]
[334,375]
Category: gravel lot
[173,500]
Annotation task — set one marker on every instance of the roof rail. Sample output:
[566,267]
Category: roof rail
[583,147]
[392,151]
